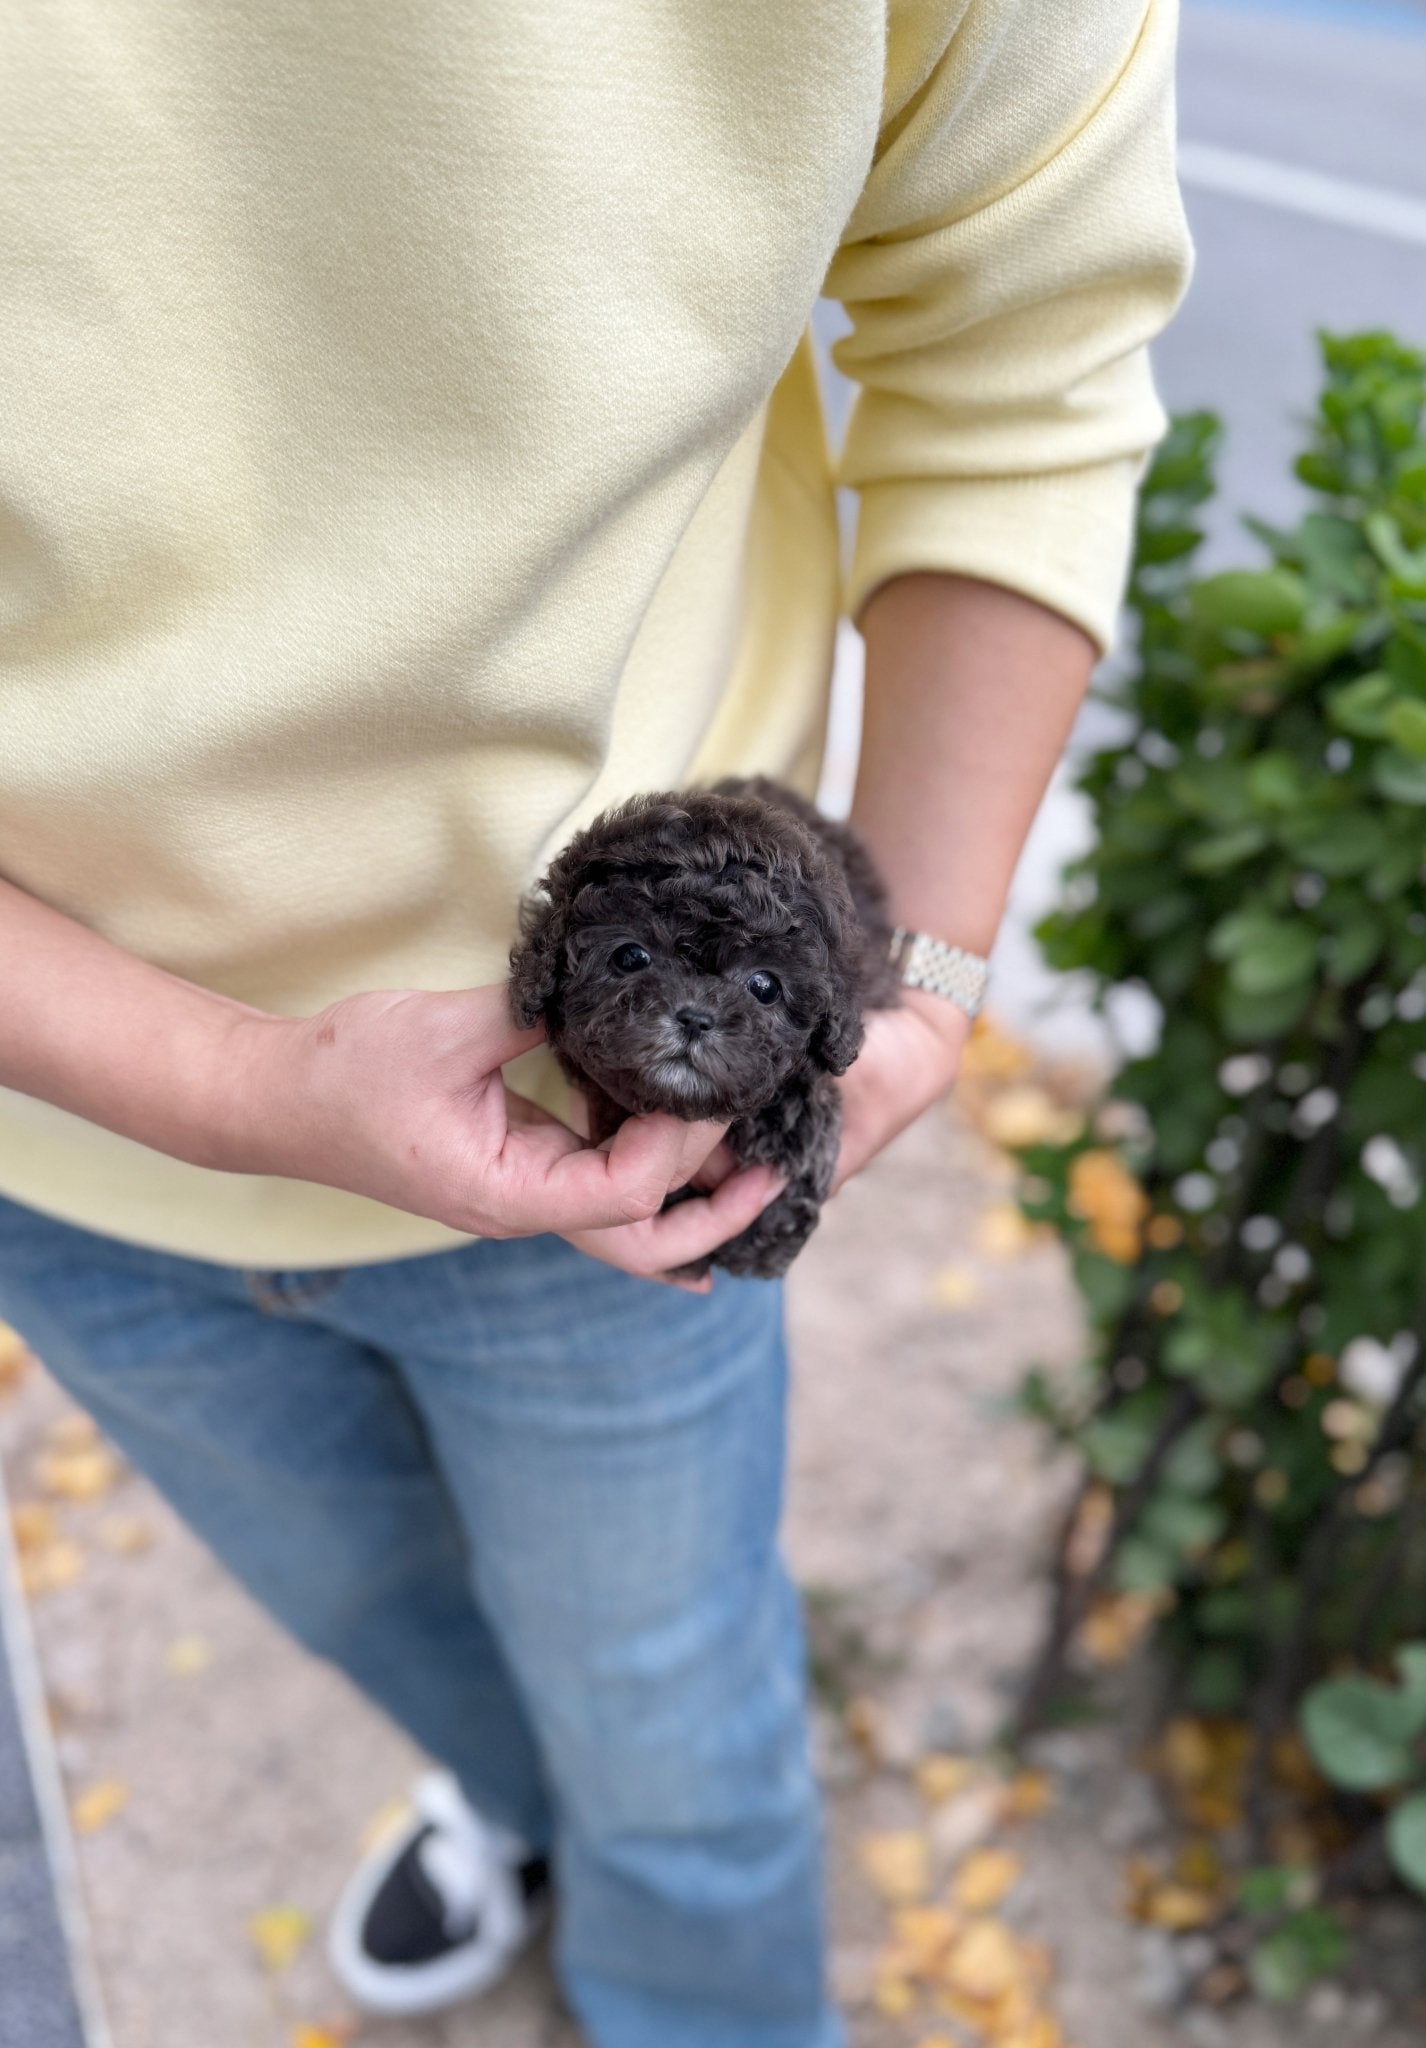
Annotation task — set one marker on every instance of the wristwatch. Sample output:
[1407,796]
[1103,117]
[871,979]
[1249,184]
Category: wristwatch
[942,970]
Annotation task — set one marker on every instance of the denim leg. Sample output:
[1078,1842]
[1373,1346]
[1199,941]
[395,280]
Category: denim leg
[298,1456]
[616,1451]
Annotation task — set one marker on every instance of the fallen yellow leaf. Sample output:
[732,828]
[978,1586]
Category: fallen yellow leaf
[187,1656]
[1005,1232]
[1179,1907]
[939,1778]
[51,1569]
[1011,2015]
[897,1865]
[73,1431]
[991,1054]
[1199,1864]
[1090,1531]
[893,1996]
[277,1933]
[85,1474]
[34,1524]
[1187,1752]
[307,2036]
[984,1964]
[1116,1623]
[1041,2030]
[984,1879]
[1106,1195]
[125,1535]
[954,1287]
[95,1807]
[1163,1232]
[1028,1795]
[922,1935]
[14,1359]
[1029,1115]
[863,1725]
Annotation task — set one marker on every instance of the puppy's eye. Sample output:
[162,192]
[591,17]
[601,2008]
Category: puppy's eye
[765,987]
[630,959]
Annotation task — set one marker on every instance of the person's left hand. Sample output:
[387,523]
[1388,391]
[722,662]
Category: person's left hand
[909,1060]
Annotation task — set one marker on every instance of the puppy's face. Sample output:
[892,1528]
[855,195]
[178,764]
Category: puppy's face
[696,984]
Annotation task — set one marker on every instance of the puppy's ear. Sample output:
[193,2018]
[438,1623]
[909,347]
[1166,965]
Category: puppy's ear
[536,957]
[837,1039]
[839,1034]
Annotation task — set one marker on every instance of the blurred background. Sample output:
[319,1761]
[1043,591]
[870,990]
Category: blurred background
[181,1792]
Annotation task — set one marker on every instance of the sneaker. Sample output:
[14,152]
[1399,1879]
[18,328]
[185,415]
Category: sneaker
[438,1912]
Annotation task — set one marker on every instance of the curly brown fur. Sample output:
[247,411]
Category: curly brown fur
[710,953]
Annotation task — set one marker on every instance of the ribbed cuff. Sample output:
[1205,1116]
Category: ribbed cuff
[1062,538]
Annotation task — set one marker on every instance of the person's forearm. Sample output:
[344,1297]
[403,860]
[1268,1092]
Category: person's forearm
[89,1027]
[970,694]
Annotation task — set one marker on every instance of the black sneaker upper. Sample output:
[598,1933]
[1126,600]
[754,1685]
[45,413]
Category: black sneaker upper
[409,1922]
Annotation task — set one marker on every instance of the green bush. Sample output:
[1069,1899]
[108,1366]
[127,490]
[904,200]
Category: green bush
[1245,1214]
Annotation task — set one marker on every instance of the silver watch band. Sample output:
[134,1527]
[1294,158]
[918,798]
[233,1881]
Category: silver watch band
[942,970]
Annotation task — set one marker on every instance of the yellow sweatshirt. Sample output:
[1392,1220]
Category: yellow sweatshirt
[409,443]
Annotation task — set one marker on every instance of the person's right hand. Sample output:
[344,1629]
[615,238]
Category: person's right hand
[398,1095]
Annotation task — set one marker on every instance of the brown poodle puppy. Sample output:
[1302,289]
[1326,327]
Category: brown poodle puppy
[709,953]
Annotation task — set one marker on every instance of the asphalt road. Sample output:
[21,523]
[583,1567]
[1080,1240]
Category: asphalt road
[1335,89]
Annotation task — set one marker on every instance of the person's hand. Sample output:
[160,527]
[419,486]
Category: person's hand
[909,1060]
[726,1200]
[398,1095]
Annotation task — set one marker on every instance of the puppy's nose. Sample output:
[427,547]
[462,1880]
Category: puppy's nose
[695,1022]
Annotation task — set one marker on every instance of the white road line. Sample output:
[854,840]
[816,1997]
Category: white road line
[1373,208]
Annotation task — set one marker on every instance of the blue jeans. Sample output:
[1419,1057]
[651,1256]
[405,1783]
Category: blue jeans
[530,1506]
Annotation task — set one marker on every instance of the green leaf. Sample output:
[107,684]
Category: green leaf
[1251,1019]
[1359,1733]
[1344,844]
[1217,1680]
[1225,850]
[1280,956]
[1352,948]
[1405,657]
[1271,1887]
[1310,1945]
[1193,1465]
[1142,1566]
[1411,1669]
[1104,1283]
[1168,543]
[1400,776]
[1115,1444]
[1335,557]
[1360,707]
[1275,781]
[1261,601]
[1406,1840]
[1184,1524]
[1406,567]
[1406,725]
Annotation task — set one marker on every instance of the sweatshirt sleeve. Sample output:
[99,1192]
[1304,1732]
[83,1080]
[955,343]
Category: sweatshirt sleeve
[1018,241]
